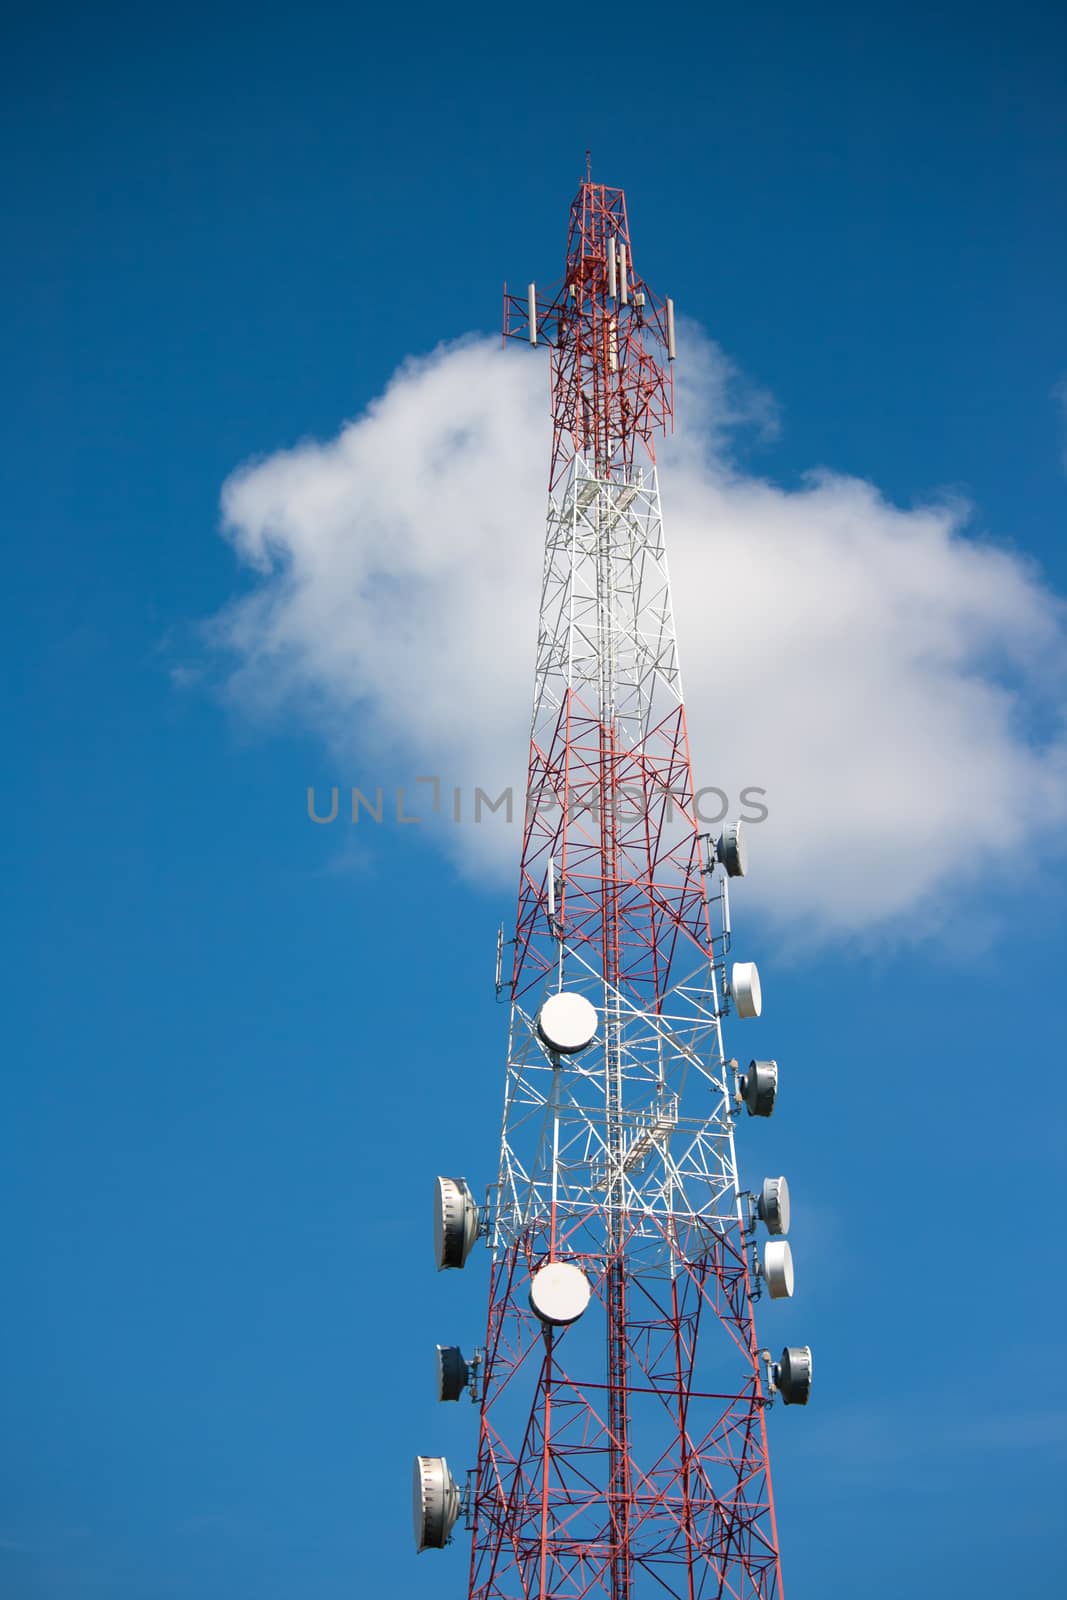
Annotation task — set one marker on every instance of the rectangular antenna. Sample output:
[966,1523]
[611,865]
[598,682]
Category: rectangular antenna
[531,312]
[613,287]
[670,330]
[551,889]
[624,292]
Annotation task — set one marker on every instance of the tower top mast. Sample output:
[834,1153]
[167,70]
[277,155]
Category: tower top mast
[612,342]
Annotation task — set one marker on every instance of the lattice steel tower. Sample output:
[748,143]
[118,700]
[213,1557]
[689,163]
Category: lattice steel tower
[622,1390]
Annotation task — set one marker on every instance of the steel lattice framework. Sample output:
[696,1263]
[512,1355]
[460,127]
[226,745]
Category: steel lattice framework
[627,1453]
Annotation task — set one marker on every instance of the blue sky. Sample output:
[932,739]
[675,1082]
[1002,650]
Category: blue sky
[242,1046]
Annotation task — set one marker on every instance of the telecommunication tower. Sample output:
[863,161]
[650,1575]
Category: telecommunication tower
[621,1388]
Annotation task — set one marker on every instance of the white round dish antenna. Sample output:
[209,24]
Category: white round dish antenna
[453,1373]
[759,1087]
[731,850]
[792,1375]
[559,1293]
[567,1022]
[772,1207]
[435,1502]
[745,988]
[455,1222]
[778,1268]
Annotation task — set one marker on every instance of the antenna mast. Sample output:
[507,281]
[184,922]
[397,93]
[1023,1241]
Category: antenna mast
[622,1392]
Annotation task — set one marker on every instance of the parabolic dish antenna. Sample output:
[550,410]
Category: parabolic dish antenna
[745,988]
[792,1375]
[435,1502]
[567,1022]
[759,1087]
[773,1205]
[453,1374]
[559,1293]
[732,851]
[455,1222]
[778,1268]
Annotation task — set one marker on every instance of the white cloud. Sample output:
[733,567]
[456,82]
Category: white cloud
[883,673]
